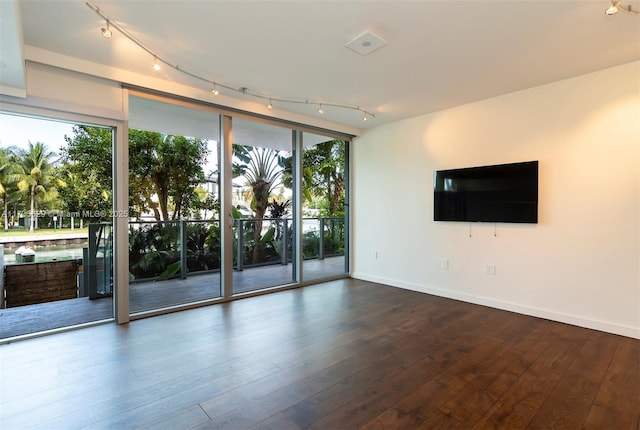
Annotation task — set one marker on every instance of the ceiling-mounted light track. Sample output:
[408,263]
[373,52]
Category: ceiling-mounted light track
[243,90]
[618,6]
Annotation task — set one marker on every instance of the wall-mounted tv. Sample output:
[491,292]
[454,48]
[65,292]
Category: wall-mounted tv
[500,193]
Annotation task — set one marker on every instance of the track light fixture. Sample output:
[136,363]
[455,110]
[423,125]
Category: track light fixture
[106,31]
[617,6]
[157,59]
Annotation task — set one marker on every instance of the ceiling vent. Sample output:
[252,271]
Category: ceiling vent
[366,43]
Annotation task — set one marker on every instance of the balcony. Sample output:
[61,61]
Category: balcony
[186,268]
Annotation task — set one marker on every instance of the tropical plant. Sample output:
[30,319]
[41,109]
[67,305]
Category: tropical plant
[86,163]
[7,179]
[203,247]
[326,161]
[278,211]
[168,167]
[262,168]
[152,248]
[35,177]
[164,170]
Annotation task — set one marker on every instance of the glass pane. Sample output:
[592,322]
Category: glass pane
[262,206]
[56,192]
[323,210]
[174,229]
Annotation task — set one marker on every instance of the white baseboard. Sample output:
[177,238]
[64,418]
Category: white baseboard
[628,331]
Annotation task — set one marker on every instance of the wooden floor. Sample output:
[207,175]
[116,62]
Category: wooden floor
[145,296]
[341,355]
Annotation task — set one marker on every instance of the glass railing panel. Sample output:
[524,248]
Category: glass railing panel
[203,247]
[262,253]
[173,263]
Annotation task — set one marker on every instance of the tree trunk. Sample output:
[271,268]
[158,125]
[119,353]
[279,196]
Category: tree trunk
[5,202]
[72,223]
[261,195]
[33,212]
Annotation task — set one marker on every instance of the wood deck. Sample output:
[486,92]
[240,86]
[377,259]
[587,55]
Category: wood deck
[342,355]
[146,296]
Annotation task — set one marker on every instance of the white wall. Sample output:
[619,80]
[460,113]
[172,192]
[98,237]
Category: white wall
[580,264]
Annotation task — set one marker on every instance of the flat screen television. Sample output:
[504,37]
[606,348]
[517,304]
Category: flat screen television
[501,193]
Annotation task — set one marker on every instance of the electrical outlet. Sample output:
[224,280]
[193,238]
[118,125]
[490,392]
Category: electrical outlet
[489,269]
[444,264]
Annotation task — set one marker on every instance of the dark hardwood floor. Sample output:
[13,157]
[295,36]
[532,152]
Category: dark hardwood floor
[150,295]
[347,354]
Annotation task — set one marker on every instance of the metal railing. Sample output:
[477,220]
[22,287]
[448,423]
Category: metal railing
[97,262]
[169,249]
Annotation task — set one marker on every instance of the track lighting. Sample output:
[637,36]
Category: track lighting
[617,6]
[106,31]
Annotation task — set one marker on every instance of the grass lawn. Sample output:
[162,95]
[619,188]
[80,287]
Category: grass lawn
[41,232]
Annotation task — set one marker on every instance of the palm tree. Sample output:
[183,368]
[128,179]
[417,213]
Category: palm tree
[7,178]
[263,169]
[35,174]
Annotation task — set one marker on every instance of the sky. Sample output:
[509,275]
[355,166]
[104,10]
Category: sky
[18,131]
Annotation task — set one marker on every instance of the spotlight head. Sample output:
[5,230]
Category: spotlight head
[612,10]
[106,31]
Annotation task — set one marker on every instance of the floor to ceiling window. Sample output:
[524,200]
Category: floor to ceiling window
[324,213]
[212,205]
[178,253]
[56,189]
[174,209]
[262,205]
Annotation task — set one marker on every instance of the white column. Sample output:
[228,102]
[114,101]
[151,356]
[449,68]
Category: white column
[121,215]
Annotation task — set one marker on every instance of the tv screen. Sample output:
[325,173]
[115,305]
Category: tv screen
[500,193]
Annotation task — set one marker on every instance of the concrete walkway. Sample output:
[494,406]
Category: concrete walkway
[42,237]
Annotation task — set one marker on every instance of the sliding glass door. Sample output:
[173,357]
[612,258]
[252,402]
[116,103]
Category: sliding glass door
[174,209]
[224,205]
[262,206]
[324,212]
[211,205]
[56,241]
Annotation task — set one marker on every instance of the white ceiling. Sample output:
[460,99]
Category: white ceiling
[439,54]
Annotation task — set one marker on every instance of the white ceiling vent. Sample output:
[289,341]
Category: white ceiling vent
[366,43]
